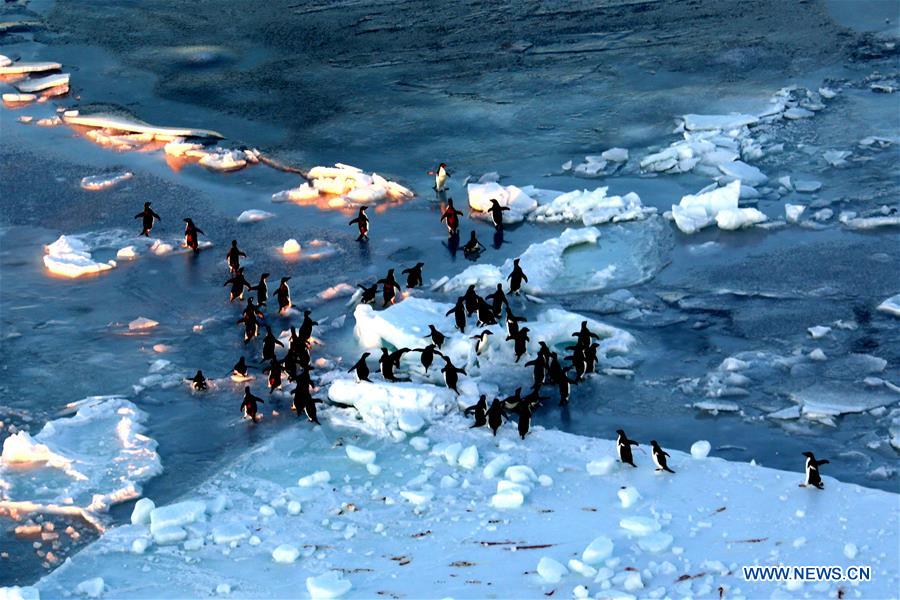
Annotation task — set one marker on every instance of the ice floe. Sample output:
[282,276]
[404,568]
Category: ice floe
[70,256]
[592,208]
[15,68]
[129,125]
[512,197]
[719,205]
[341,186]
[30,86]
[255,215]
[891,306]
[101,182]
[823,402]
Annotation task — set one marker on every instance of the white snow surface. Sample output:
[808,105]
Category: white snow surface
[519,203]
[344,185]
[70,256]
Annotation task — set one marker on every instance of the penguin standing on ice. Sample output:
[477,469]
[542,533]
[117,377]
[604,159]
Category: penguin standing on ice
[471,298]
[813,477]
[512,322]
[368,293]
[498,299]
[451,374]
[516,277]
[261,289]
[440,177]
[361,368]
[249,405]
[310,409]
[147,215]
[191,232]
[414,275]
[269,343]
[520,341]
[495,415]
[482,341]
[584,336]
[497,214]
[238,282]
[250,317]
[240,368]
[578,361]
[623,448]
[562,383]
[479,410]
[274,371]
[473,248]
[362,222]
[590,358]
[306,327]
[538,372]
[659,457]
[436,336]
[198,381]
[459,314]
[234,256]
[300,397]
[386,365]
[451,216]
[485,313]
[283,293]
[524,410]
[427,357]
[389,287]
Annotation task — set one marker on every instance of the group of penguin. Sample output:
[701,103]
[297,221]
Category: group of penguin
[296,367]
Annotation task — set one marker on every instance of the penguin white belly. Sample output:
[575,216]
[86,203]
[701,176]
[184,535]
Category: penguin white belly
[619,450]
[656,460]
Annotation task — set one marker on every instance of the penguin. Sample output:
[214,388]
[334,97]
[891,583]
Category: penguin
[451,374]
[361,368]
[310,409]
[452,244]
[304,383]
[516,277]
[485,313]
[240,368]
[250,317]
[234,256]
[554,369]
[274,371]
[623,448]
[482,342]
[300,397]
[479,410]
[362,222]
[440,177]
[427,357]
[269,343]
[306,327]
[520,340]
[473,248]
[659,457]
[368,293]
[386,365]
[495,415]
[562,382]
[297,345]
[459,314]
[497,214]
[389,288]
[249,405]
[396,355]
[451,217]
[813,477]
[237,282]
[545,354]
[436,336]
[578,361]
[534,398]
[584,335]
[512,322]
[498,239]
[471,298]
[283,293]
[191,232]
[414,276]
[538,372]
[289,364]
[261,289]
[198,382]
[524,411]
[590,358]
[498,299]
[147,215]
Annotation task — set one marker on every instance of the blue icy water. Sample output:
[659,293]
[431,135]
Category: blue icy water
[398,93]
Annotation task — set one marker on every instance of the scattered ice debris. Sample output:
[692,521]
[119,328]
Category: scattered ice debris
[328,585]
[716,407]
[101,182]
[628,496]
[341,186]
[793,212]
[818,331]
[254,215]
[886,219]
[92,588]
[592,208]
[315,479]
[285,554]
[125,124]
[836,158]
[18,98]
[519,203]
[817,355]
[71,257]
[820,402]
[224,160]
[746,174]
[597,551]
[592,166]
[700,449]
[798,113]
[718,122]
[16,68]
[850,550]
[891,306]
[550,570]
[615,154]
[807,186]
[140,515]
[719,205]
[291,246]
[360,455]
[639,526]
[30,86]
[142,323]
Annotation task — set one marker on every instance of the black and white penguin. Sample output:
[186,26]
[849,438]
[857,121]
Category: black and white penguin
[251,318]
[436,336]
[813,477]
[240,368]
[498,299]
[485,313]
[428,353]
[191,232]
[623,448]
[497,214]
[283,293]
[482,340]
[389,288]
[495,415]
[584,336]
[512,322]
[274,371]
[440,177]
[524,410]
[414,275]
[234,256]
[539,370]
[301,396]
[198,381]
[562,383]
[386,365]
[451,374]
[516,277]
[238,283]
[659,457]
[147,215]
[451,216]
[471,297]
[304,332]
[479,410]
[261,289]
[590,358]
[473,248]
[368,293]
[249,405]
[578,361]
[361,368]
[362,222]
[520,342]
[459,314]
[269,343]
[310,409]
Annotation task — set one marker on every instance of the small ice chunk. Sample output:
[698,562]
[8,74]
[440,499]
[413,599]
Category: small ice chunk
[142,323]
[714,406]
[508,498]
[819,331]
[92,588]
[316,478]
[254,215]
[285,554]
[127,253]
[798,113]
[655,542]
[328,585]
[142,509]
[101,182]
[417,497]
[598,550]
[550,570]
[496,465]
[891,306]
[615,155]
[792,212]
[291,246]
[628,496]
[601,466]
[468,458]
[700,449]
[228,533]
[639,526]
[360,455]
[747,174]
[520,474]
[140,545]
[850,550]
[177,515]
[817,355]
[807,186]
[223,589]
[294,507]
[410,421]
[170,534]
